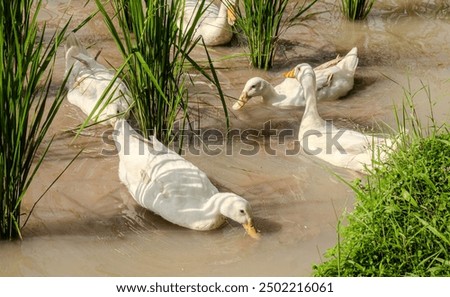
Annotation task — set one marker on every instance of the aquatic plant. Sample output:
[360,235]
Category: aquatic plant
[356,9]
[157,53]
[25,112]
[263,22]
[400,224]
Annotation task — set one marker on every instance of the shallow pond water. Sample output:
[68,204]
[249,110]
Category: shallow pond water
[88,225]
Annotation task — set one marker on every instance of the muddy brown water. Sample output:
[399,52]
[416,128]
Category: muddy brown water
[88,225]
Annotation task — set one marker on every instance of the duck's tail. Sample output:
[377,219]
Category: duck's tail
[350,61]
[126,137]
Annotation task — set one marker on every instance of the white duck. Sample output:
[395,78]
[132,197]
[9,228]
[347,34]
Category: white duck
[215,23]
[87,82]
[340,147]
[335,79]
[165,183]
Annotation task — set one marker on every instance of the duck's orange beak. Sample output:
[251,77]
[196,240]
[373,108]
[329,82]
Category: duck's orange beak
[290,74]
[251,230]
[231,16]
[242,101]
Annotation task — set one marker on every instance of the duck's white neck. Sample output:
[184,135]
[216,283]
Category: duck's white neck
[219,202]
[311,117]
[222,11]
[269,94]
[222,17]
[216,209]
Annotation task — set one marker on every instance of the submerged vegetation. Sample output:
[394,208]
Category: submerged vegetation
[25,112]
[157,53]
[263,22]
[401,222]
[356,9]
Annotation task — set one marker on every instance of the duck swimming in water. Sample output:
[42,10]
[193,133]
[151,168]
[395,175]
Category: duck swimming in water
[87,82]
[165,183]
[334,79]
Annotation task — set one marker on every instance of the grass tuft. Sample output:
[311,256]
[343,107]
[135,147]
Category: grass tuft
[263,22]
[356,9]
[157,54]
[25,112]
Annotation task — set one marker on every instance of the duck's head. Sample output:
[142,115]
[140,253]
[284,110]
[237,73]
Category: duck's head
[254,87]
[302,72]
[238,209]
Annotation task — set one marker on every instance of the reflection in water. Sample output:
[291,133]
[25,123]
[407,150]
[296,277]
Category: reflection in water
[88,224]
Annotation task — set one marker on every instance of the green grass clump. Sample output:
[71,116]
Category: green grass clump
[157,54]
[26,67]
[401,222]
[356,9]
[262,23]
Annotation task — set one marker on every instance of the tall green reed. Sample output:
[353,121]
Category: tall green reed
[263,22]
[25,112]
[157,53]
[356,9]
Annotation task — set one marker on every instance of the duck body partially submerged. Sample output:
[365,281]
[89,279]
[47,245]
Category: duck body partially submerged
[340,147]
[215,23]
[334,79]
[89,83]
[170,186]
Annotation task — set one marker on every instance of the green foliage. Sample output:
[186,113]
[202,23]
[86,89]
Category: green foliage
[356,9]
[263,22]
[157,51]
[401,222]
[25,113]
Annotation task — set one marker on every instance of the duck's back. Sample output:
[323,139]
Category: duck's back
[158,178]
[337,80]
[88,86]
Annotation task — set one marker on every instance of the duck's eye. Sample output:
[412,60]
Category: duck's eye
[242,211]
[253,87]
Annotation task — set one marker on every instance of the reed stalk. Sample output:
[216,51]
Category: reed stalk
[25,111]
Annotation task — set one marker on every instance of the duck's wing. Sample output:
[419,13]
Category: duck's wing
[355,142]
[329,64]
[351,142]
[325,72]
[341,66]
[171,185]
[88,86]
